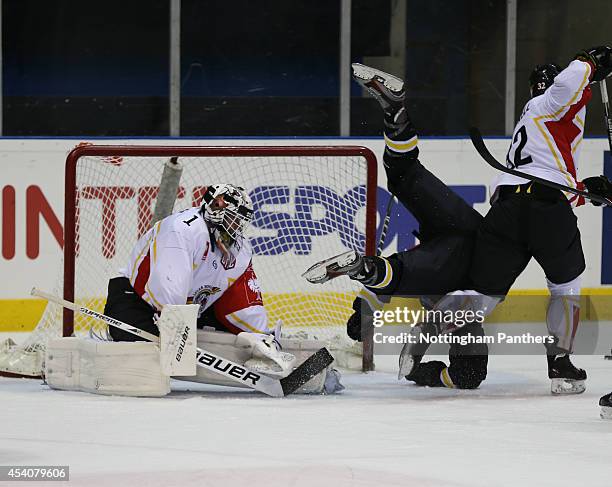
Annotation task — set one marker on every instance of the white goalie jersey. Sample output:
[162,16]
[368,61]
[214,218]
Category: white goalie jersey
[546,140]
[176,262]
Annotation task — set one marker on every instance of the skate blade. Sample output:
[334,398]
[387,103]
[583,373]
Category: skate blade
[363,74]
[323,271]
[561,387]
[317,274]
[606,412]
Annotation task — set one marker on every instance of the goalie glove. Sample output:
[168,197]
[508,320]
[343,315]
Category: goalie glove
[266,356]
[599,185]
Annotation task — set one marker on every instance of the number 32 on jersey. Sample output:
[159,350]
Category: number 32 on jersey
[514,158]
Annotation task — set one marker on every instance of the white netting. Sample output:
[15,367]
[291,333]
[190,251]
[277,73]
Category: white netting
[307,208]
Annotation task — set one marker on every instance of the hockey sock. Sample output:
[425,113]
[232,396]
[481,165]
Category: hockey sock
[376,274]
[400,136]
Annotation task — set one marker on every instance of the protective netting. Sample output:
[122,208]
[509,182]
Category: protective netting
[307,208]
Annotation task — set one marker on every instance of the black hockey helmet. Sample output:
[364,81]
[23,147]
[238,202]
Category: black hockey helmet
[542,77]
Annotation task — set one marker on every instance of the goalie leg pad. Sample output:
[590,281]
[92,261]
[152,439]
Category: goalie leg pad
[111,368]
[21,361]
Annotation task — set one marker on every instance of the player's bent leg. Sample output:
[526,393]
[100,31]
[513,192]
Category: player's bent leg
[467,367]
[468,363]
[562,319]
[563,313]
[433,204]
[123,304]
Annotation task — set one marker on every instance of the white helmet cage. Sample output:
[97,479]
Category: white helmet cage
[232,217]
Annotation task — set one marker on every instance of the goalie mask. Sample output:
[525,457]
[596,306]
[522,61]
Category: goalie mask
[228,210]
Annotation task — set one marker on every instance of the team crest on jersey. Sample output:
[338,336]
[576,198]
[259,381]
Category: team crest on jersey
[254,286]
[202,294]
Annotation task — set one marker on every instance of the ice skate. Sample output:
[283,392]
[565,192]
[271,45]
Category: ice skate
[386,88]
[413,350]
[348,263]
[565,377]
[606,406]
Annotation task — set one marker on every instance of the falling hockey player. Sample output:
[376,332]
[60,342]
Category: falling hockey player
[429,269]
[447,227]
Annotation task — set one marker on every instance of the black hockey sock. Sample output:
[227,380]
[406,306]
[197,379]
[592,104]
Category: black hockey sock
[374,273]
[396,122]
[400,136]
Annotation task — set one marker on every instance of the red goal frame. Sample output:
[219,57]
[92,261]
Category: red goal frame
[203,151]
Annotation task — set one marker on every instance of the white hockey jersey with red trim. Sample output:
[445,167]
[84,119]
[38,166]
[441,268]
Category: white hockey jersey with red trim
[546,140]
[175,262]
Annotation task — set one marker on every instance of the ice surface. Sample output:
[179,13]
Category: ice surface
[378,432]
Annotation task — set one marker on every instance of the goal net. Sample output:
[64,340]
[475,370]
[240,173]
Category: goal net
[310,203]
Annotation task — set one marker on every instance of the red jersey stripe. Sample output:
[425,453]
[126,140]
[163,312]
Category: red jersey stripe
[144,269]
[564,131]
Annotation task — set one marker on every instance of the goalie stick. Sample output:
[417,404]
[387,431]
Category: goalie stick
[480,146]
[313,365]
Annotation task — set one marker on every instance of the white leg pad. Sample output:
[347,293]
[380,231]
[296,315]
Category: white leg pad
[112,368]
[22,361]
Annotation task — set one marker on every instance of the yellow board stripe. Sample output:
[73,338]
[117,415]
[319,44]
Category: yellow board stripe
[334,308]
[20,314]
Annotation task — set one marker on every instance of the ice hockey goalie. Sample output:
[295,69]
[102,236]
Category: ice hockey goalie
[200,256]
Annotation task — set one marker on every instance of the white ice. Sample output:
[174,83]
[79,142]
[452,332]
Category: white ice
[379,431]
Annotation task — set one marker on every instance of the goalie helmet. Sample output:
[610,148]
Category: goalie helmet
[542,77]
[228,209]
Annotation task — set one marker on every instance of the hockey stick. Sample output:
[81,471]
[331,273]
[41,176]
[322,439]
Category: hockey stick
[215,363]
[480,146]
[385,225]
[607,116]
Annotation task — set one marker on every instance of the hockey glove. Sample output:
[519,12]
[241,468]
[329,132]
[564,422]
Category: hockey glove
[599,185]
[601,59]
[354,323]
